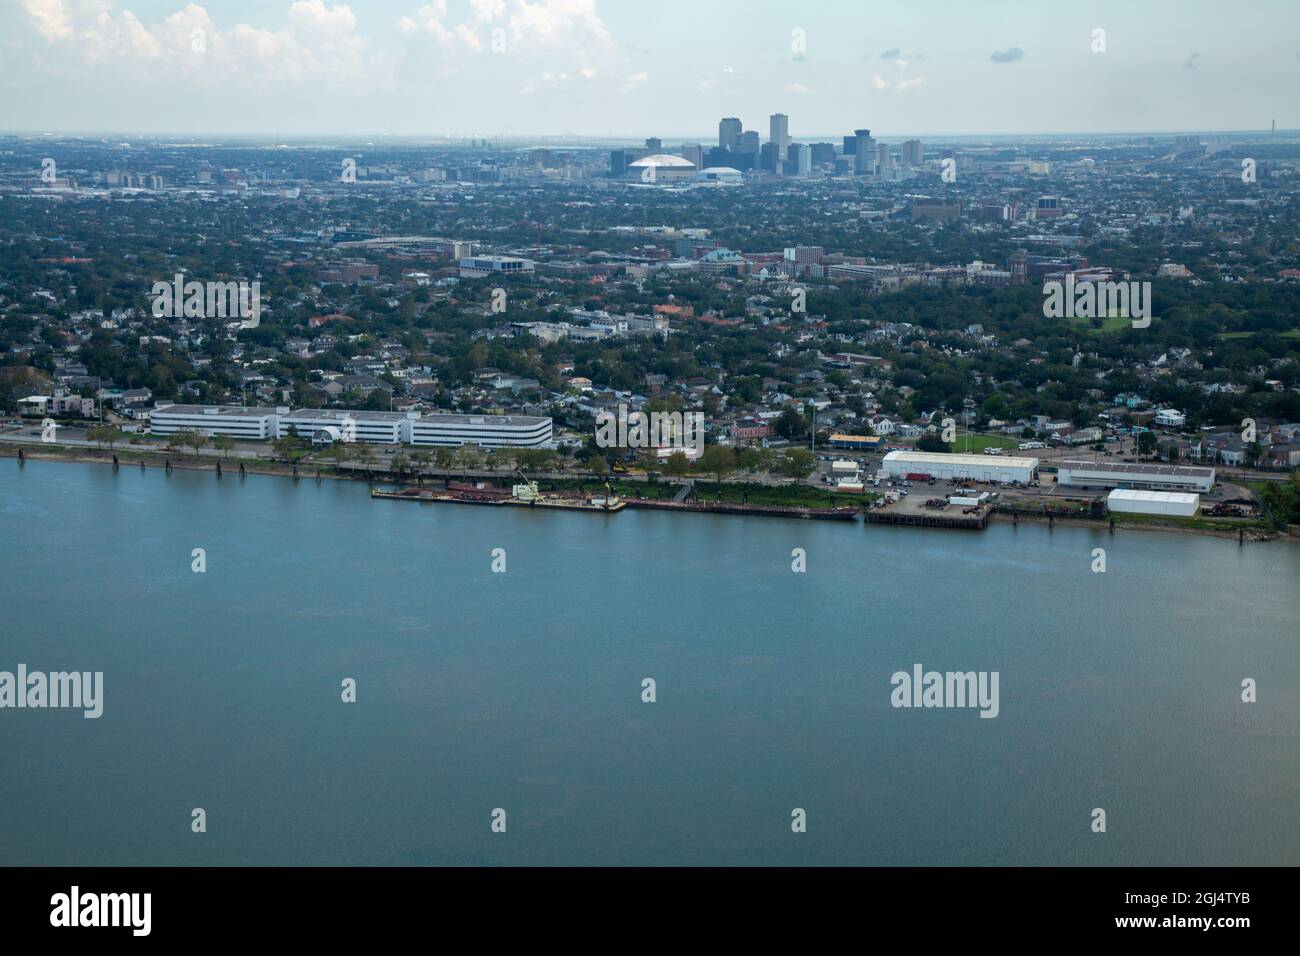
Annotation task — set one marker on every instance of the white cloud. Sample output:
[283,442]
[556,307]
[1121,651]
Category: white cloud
[634,81]
[318,45]
[429,19]
[556,22]
[50,17]
[313,14]
[899,86]
[485,11]
[799,88]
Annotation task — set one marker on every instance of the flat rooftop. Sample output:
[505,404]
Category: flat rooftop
[331,415]
[439,418]
[970,461]
[236,411]
[1134,468]
[1135,494]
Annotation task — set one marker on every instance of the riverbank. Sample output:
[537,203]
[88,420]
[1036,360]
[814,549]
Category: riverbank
[735,498]
[1127,522]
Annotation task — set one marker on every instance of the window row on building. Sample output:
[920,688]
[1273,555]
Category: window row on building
[334,424]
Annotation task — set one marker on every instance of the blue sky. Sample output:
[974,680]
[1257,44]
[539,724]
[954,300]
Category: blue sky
[669,67]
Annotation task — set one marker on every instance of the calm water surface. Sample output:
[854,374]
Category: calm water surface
[523,690]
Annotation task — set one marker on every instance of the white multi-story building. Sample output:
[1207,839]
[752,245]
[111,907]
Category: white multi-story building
[251,424]
[342,424]
[488,431]
[479,266]
[1170,418]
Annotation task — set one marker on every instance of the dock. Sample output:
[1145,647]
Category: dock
[495,497]
[735,508]
[914,513]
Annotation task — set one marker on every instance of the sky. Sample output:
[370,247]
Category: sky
[668,68]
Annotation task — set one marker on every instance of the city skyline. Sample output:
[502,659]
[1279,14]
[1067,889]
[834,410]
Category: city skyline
[583,68]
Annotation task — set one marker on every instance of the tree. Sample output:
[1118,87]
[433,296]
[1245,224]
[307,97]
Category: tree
[470,457]
[752,459]
[799,463]
[676,465]
[717,460]
[105,433]
[186,438]
[286,446]
[933,442]
[535,459]
[196,440]
[791,425]
[223,443]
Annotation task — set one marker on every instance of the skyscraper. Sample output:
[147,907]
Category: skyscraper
[780,137]
[864,156]
[913,153]
[803,158]
[729,132]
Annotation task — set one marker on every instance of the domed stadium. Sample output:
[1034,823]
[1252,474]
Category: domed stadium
[660,167]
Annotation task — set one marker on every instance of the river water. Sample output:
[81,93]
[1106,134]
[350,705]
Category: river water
[523,690]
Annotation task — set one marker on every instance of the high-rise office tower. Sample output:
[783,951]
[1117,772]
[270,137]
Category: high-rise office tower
[779,135]
[694,153]
[749,142]
[823,154]
[913,153]
[729,132]
[803,158]
[884,159]
[863,155]
[654,144]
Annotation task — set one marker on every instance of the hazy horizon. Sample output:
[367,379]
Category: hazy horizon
[591,140]
[511,69]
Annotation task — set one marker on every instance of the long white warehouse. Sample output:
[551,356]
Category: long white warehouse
[1139,475]
[899,464]
[1132,501]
